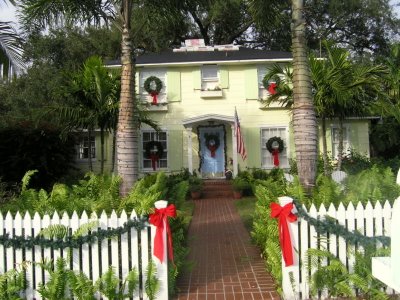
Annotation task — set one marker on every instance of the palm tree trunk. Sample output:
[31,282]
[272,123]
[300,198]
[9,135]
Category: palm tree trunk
[325,147]
[90,162]
[304,119]
[114,142]
[127,129]
[102,150]
[340,146]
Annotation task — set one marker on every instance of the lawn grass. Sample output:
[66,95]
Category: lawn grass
[246,207]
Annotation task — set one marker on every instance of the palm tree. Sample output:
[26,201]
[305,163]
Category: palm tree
[341,88]
[49,12]
[390,101]
[10,46]
[304,118]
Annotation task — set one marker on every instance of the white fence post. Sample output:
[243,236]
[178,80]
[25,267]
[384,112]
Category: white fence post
[290,286]
[162,268]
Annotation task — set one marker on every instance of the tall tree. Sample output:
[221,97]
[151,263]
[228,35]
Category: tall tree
[304,118]
[46,12]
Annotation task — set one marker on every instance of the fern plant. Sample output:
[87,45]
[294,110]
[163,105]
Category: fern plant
[330,276]
[81,286]
[12,285]
[110,285]
[152,284]
[57,288]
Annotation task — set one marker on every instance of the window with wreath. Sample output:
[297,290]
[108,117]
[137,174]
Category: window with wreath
[210,78]
[274,147]
[153,85]
[155,150]
[263,92]
[83,147]
[335,140]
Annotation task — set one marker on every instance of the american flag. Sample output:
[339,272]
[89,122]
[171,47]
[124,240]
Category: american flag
[239,138]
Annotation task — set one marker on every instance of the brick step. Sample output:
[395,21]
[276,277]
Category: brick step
[216,194]
[217,187]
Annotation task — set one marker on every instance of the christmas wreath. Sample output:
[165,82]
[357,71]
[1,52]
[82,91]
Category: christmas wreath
[269,86]
[212,143]
[154,151]
[275,146]
[153,86]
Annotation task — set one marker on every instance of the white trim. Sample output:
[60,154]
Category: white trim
[208,117]
[190,150]
[219,62]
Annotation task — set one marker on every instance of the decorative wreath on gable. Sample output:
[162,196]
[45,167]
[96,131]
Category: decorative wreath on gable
[269,86]
[153,86]
[212,143]
[272,142]
[275,146]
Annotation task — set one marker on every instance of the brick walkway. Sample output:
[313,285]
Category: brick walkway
[226,265]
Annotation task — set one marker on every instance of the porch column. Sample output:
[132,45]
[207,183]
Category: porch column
[189,150]
[234,151]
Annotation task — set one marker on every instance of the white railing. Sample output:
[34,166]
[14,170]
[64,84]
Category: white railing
[369,221]
[123,252]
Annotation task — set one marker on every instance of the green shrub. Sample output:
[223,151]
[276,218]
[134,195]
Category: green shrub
[26,147]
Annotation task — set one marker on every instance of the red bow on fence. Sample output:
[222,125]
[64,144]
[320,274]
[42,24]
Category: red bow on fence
[158,219]
[154,95]
[285,215]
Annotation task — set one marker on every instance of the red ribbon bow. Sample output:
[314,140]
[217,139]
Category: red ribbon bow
[285,215]
[275,156]
[154,159]
[158,219]
[212,149]
[154,95]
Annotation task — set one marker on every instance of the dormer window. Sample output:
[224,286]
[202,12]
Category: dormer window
[210,78]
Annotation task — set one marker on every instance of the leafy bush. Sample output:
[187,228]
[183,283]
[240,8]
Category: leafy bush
[374,184]
[24,147]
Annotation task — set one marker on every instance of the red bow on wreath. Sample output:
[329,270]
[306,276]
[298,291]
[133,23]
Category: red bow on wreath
[271,88]
[160,219]
[285,215]
[154,159]
[275,156]
[154,95]
[212,149]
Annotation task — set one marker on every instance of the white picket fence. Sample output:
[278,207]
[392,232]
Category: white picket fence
[369,220]
[123,252]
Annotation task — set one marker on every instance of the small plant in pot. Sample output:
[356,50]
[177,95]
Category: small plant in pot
[195,187]
[239,185]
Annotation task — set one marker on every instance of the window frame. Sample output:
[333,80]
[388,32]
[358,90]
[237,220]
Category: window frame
[80,146]
[216,80]
[346,139]
[144,74]
[142,150]
[263,148]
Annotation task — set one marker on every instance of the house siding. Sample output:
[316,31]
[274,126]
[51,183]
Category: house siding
[239,83]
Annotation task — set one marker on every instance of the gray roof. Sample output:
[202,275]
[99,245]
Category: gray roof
[243,54]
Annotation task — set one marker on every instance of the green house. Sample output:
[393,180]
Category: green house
[195,108]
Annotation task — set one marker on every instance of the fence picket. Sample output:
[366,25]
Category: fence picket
[2,248]
[54,221]
[120,251]
[9,251]
[369,221]
[29,258]
[38,278]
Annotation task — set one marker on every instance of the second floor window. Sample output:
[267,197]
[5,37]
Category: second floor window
[159,73]
[210,78]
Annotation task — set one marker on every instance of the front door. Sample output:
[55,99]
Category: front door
[212,151]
